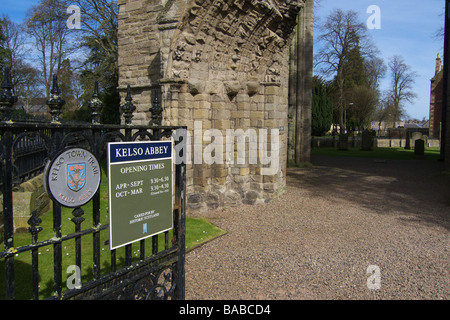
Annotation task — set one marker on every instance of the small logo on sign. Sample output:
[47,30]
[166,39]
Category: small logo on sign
[144,228]
[76,176]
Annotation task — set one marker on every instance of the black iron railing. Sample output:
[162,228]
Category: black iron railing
[155,272]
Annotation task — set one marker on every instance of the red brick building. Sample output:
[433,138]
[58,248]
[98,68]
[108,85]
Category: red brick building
[436,95]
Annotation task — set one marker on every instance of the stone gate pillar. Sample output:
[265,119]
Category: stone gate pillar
[221,68]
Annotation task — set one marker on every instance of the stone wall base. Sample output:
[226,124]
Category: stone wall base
[28,197]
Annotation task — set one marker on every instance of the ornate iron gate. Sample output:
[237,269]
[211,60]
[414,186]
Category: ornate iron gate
[152,268]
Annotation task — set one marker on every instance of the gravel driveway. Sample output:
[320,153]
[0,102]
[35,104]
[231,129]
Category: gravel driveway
[319,238]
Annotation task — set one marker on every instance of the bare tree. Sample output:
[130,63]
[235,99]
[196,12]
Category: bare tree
[375,70]
[402,82]
[439,33]
[46,24]
[383,111]
[99,24]
[24,77]
[14,40]
[342,34]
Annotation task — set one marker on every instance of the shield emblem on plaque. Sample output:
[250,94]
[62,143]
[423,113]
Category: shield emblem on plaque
[76,176]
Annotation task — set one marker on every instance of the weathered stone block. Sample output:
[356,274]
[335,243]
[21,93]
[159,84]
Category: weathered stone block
[251,197]
[232,199]
[257,115]
[232,87]
[196,86]
[201,114]
[213,200]
[244,171]
[272,90]
[252,87]
[221,114]
[214,87]
[194,200]
[240,114]
[202,104]
[243,105]
[132,6]
[220,181]
[222,124]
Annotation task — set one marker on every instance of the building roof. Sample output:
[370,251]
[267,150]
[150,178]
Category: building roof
[416,125]
[36,105]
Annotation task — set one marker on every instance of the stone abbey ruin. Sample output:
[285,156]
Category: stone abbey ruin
[224,68]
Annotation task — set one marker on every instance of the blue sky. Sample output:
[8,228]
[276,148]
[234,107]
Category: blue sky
[16,10]
[407,29]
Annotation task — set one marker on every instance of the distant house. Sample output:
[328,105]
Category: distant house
[415,125]
[382,128]
[35,107]
[436,96]
[418,126]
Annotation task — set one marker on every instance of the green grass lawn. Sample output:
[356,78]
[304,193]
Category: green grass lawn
[198,231]
[378,153]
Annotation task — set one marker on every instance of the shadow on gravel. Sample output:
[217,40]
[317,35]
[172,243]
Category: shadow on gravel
[412,190]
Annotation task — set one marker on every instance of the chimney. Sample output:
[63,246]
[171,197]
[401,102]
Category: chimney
[438,64]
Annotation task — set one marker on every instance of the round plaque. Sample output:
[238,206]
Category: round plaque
[73,177]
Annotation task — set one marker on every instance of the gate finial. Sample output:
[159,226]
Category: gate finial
[55,102]
[128,108]
[7,99]
[96,105]
[34,223]
[156,111]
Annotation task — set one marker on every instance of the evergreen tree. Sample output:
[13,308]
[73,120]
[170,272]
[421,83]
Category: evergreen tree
[3,48]
[99,26]
[346,43]
[102,68]
[360,89]
[353,69]
[322,108]
[98,38]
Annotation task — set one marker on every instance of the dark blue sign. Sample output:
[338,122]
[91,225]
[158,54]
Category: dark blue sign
[139,151]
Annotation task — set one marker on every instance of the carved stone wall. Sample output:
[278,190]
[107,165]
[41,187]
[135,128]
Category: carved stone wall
[220,67]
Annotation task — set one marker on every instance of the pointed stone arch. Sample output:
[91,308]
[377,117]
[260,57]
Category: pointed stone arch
[219,64]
